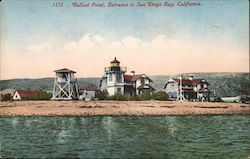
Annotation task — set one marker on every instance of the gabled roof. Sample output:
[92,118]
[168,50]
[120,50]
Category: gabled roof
[64,70]
[134,77]
[146,86]
[89,88]
[127,77]
[27,93]
[190,82]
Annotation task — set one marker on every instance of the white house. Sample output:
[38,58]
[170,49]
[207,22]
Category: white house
[115,81]
[191,89]
[24,94]
[88,93]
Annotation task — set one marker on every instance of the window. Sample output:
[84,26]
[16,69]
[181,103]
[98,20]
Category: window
[119,90]
[172,85]
[142,80]
[110,77]
[118,77]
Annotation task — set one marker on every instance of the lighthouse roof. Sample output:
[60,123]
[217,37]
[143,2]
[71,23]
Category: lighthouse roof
[115,61]
[64,70]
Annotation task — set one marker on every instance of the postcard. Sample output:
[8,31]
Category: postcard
[124,79]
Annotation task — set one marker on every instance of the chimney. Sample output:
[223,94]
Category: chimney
[133,72]
[191,77]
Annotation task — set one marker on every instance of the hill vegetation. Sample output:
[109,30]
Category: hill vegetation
[224,84]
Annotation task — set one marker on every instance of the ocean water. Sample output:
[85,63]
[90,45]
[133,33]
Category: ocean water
[174,137]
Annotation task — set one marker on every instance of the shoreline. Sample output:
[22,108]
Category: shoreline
[118,108]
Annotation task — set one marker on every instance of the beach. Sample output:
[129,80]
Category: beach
[119,108]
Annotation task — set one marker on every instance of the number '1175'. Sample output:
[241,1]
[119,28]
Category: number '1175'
[57,4]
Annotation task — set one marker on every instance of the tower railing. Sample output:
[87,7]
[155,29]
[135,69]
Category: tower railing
[110,69]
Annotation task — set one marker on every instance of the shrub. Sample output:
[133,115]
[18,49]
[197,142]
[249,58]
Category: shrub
[111,97]
[118,97]
[6,97]
[145,96]
[160,96]
[133,98]
[102,95]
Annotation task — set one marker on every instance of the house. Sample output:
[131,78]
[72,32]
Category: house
[115,81]
[190,89]
[88,93]
[136,84]
[24,94]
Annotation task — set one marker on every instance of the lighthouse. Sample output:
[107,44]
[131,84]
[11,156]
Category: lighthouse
[115,77]
[65,85]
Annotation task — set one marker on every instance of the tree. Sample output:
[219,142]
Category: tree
[6,97]
[244,87]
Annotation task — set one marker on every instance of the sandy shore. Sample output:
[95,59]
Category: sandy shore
[117,108]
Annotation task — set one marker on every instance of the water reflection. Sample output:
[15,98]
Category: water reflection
[14,122]
[108,126]
[62,136]
[172,124]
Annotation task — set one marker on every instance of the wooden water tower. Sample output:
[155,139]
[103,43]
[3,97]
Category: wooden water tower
[65,85]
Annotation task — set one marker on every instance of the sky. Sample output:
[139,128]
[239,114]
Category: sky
[37,38]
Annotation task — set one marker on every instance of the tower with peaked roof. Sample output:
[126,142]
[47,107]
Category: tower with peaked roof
[65,85]
[115,77]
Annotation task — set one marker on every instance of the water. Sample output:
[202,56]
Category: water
[186,137]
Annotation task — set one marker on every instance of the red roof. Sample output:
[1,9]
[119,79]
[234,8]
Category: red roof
[27,93]
[134,77]
[64,70]
[89,88]
[189,82]
[127,77]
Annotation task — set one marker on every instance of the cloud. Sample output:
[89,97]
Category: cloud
[91,53]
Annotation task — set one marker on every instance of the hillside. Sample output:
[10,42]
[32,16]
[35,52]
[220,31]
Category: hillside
[42,83]
[224,84]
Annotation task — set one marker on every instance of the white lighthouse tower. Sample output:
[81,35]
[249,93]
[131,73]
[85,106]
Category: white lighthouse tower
[115,77]
[65,85]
